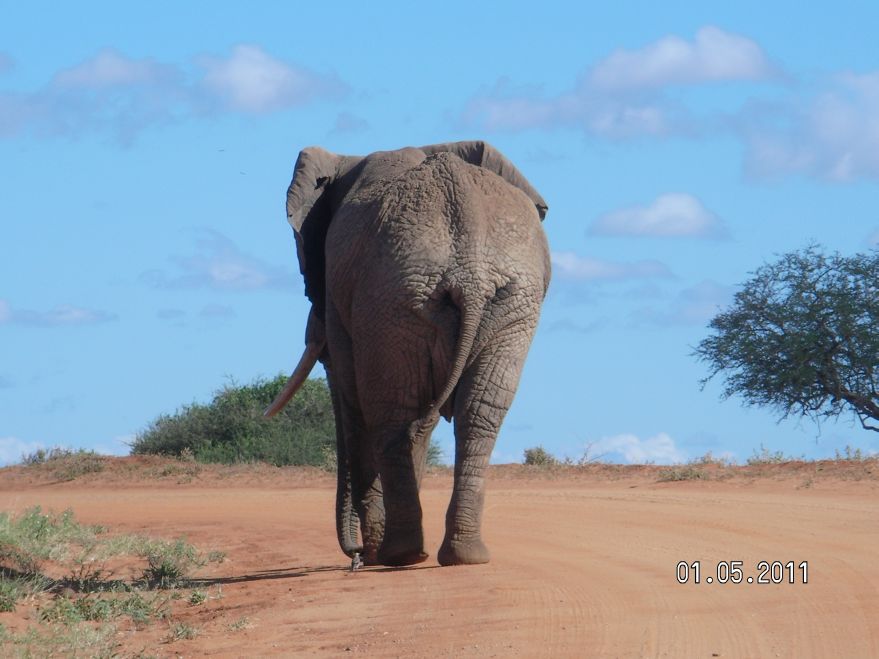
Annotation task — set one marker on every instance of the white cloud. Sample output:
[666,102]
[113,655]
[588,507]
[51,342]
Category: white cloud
[110,68]
[12,449]
[220,265]
[583,268]
[108,93]
[622,96]
[833,135]
[673,214]
[118,95]
[872,241]
[62,314]
[251,80]
[714,55]
[506,108]
[695,305]
[659,449]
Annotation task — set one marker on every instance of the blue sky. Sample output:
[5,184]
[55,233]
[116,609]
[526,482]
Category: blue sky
[146,150]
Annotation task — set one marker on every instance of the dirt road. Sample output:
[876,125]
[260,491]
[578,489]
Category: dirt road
[581,567]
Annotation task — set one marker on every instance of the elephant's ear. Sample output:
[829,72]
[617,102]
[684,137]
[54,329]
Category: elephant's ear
[485,155]
[309,213]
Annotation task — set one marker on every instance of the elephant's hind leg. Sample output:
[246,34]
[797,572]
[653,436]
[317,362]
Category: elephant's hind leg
[485,393]
[392,355]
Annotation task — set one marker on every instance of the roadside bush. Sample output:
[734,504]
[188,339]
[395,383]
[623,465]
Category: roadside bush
[65,464]
[765,457]
[540,457]
[231,428]
[682,473]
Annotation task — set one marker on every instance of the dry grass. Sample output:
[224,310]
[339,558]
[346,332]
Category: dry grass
[57,574]
[161,472]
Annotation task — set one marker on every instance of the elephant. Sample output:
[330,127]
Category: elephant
[426,269]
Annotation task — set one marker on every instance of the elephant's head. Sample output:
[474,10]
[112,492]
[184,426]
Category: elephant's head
[321,180]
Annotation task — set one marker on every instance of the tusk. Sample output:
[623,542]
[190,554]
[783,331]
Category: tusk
[300,374]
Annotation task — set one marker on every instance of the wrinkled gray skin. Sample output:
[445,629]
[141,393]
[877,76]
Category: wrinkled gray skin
[426,268]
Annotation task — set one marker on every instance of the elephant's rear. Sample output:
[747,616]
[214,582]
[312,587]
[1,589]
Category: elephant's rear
[464,261]
[446,224]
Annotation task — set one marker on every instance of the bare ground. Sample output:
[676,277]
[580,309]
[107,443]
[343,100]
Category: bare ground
[583,561]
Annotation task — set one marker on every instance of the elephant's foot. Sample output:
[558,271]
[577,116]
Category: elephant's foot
[401,552]
[463,551]
[370,556]
[371,543]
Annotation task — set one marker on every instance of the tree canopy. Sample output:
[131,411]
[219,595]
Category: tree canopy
[802,336]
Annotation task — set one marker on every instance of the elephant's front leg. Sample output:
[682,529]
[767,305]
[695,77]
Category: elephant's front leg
[484,395]
[366,492]
[359,495]
[400,453]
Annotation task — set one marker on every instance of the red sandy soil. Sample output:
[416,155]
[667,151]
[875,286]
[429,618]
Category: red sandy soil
[583,562]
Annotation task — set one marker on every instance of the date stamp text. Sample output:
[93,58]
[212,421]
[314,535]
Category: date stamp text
[736,572]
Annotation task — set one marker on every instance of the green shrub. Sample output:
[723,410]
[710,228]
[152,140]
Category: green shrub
[11,590]
[29,539]
[540,457]
[231,428]
[103,607]
[170,564]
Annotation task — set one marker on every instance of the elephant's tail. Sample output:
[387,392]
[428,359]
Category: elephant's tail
[471,305]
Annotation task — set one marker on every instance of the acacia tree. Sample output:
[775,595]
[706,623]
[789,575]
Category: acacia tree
[802,336]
